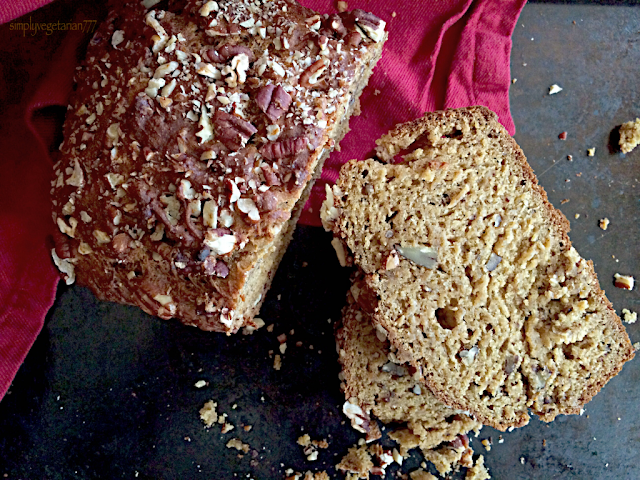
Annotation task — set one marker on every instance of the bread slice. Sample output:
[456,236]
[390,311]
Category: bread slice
[471,273]
[192,139]
[375,383]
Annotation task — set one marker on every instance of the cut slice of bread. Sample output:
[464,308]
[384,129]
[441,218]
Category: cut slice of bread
[376,383]
[471,272]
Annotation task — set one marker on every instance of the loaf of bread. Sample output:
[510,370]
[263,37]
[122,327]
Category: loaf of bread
[191,143]
[470,271]
[376,384]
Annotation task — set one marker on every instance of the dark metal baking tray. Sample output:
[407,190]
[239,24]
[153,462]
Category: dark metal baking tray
[108,391]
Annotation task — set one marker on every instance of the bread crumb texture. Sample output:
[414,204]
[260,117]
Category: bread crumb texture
[376,382]
[489,301]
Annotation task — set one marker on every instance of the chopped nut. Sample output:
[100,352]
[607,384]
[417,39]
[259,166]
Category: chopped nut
[624,281]
[277,362]
[208,413]
[563,136]
[554,89]
[65,266]
[424,256]
[604,223]
[200,384]
[238,445]
[591,152]
[469,356]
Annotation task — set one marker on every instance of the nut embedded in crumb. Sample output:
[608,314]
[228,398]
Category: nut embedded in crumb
[624,281]
[604,223]
[628,316]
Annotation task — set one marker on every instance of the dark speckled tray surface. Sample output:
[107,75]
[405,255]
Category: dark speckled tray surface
[108,391]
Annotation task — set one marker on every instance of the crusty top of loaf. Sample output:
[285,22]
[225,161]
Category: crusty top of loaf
[192,133]
[376,382]
[472,273]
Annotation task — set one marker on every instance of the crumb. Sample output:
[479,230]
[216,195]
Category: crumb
[576,216]
[208,413]
[188,439]
[563,136]
[321,443]
[277,362]
[579,174]
[566,180]
[227,427]
[249,329]
[487,444]
[298,343]
[238,445]
[283,347]
[305,264]
[292,331]
[393,14]
[570,158]
[478,471]
[247,428]
[629,316]
[591,152]
[636,346]
[270,328]
[604,223]
[282,338]
[514,80]
[200,384]
[500,439]
[358,461]
[222,418]
[420,474]
[566,200]
[629,136]
[304,440]
[544,442]
[522,460]
[313,456]
[342,6]
[624,281]
[554,88]
[376,92]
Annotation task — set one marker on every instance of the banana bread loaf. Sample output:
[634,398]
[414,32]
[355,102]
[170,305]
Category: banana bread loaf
[191,143]
[374,383]
[471,273]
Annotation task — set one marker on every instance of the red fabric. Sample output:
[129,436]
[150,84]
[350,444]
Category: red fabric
[440,54]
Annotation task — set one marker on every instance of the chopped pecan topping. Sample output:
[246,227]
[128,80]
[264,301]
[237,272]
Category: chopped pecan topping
[120,242]
[311,75]
[227,52]
[233,131]
[284,148]
[273,101]
[371,26]
[334,27]
[353,39]
[212,266]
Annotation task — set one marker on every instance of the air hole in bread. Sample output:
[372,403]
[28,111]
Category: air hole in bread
[446,318]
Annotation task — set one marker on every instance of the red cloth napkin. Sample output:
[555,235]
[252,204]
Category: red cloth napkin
[440,54]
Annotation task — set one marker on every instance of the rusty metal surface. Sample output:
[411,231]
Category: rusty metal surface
[115,397]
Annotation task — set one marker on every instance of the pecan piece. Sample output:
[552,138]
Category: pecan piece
[233,132]
[212,266]
[353,39]
[227,52]
[273,101]
[284,148]
[371,26]
[333,27]
[311,75]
